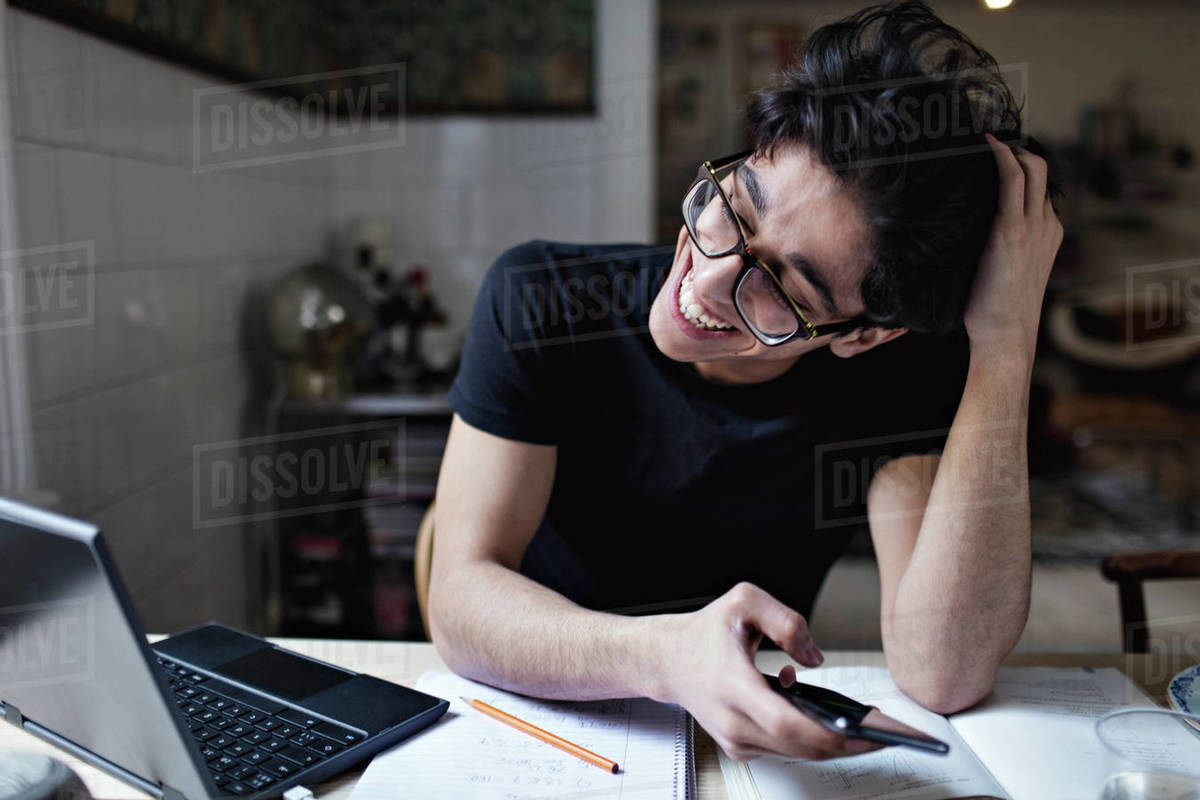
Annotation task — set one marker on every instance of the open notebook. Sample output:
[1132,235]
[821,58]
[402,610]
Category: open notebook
[467,754]
[1033,738]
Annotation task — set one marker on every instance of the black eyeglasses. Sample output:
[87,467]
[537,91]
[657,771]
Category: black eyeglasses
[769,311]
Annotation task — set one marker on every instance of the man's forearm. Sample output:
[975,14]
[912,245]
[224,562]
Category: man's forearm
[963,599]
[499,627]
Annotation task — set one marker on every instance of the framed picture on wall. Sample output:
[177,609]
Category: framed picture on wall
[470,56]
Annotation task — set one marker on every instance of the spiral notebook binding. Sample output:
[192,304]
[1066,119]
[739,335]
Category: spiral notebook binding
[685,758]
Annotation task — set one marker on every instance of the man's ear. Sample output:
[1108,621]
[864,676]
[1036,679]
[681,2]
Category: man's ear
[862,340]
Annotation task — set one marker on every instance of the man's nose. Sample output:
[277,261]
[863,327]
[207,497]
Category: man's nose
[713,278]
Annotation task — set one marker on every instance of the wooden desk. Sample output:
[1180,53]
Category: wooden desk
[403,662]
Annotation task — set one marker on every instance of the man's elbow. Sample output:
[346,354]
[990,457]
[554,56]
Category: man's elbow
[947,694]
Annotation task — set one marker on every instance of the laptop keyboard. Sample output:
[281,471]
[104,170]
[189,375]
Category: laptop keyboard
[250,746]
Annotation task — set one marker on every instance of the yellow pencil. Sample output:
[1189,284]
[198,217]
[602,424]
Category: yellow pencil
[545,736]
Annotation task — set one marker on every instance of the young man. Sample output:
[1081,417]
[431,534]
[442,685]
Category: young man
[657,453]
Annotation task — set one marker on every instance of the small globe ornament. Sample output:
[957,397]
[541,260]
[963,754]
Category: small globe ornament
[317,319]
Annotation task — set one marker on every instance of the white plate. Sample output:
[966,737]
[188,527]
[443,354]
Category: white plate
[1183,692]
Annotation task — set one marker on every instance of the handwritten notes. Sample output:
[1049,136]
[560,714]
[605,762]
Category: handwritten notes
[1032,738]
[892,772]
[467,754]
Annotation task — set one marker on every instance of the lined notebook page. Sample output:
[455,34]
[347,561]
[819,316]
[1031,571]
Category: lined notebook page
[893,772]
[468,754]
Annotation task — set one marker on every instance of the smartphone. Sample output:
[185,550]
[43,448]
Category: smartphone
[849,717]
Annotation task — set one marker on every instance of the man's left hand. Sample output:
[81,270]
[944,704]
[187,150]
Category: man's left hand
[1006,300]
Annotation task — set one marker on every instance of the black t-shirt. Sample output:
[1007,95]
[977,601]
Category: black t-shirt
[671,488]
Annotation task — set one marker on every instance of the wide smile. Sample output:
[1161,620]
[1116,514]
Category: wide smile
[692,316]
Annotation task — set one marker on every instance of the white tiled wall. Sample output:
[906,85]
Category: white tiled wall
[460,191]
[103,154]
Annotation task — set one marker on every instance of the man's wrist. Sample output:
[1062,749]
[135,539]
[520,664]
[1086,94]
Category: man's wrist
[648,640]
[1010,357]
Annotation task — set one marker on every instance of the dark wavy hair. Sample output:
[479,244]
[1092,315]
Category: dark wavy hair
[897,102]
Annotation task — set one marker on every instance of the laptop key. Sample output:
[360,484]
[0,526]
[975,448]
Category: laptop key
[238,788]
[237,750]
[305,738]
[204,734]
[206,716]
[221,723]
[255,757]
[223,763]
[233,711]
[241,773]
[279,768]
[208,753]
[343,735]
[220,704]
[296,717]
[239,730]
[268,724]
[192,709]
[252,716]
[255,738]
[326,747]
[273,744]
[187,691]
[204,698]
[287,731]
[219,779]
[222,741]
[260,781]
[299,755]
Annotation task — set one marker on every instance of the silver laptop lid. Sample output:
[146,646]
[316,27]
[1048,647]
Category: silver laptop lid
[73,655]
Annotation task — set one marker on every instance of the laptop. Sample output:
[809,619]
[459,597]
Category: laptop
[209,712]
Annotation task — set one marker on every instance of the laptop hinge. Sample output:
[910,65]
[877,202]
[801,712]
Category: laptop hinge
[12,715]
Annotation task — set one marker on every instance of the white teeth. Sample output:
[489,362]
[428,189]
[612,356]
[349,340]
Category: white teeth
[696,313]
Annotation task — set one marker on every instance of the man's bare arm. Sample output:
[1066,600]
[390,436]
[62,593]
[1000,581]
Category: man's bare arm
[954,553]
[957,572]
[491,623]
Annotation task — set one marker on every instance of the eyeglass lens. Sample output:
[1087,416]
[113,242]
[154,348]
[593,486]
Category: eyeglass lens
[711,223]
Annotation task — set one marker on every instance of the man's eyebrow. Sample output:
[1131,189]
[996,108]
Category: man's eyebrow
[753,188]
[813,276]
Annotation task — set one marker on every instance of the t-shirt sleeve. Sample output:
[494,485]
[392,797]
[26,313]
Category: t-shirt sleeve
[928,387]
[503,384]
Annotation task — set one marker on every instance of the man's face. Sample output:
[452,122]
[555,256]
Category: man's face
[805,225]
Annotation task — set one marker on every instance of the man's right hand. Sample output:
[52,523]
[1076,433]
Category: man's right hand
[708,668]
